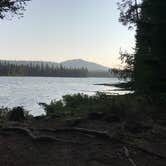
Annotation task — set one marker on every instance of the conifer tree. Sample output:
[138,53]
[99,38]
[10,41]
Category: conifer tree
[149,18]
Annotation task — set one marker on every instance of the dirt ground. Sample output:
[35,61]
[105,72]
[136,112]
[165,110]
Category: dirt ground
[69,142]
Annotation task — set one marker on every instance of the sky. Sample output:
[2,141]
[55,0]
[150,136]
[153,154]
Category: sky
[58,30]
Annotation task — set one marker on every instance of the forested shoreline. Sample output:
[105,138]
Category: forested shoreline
[45,70]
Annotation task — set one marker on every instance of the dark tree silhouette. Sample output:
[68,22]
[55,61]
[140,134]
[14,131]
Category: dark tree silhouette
[129,12]
[12,7]
[7,69]
[151,48]
[149,18]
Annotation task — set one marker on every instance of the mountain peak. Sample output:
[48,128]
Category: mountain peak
[79,63]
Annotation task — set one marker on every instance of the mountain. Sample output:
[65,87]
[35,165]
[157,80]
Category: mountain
[75,63]
[79,63]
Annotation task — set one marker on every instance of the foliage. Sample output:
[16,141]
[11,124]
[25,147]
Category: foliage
[12,7]
[149,59]
[15,114]
[129,15]
[54,108]
[128,107]
[3,112]
[127,59]
[128,69]
[74,104]
[150,43]
[129,12]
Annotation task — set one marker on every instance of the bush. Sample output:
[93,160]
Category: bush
[17,114]
[3,112]
[81,104]
[55,108]
[131,108]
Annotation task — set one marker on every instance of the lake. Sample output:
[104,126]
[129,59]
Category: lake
[29,91]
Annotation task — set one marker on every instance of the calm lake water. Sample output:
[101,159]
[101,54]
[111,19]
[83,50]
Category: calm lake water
[29,91]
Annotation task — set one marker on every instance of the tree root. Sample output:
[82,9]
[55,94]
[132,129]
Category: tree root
[101,134]
[106,135]
[41,138]
[127,154]
[147,151]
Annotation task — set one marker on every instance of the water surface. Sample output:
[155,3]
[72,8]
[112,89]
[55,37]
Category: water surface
[29,91]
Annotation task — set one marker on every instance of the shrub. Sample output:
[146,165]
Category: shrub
[82,104]
[54,108]
[3,112]
[15,114]
[74,100]
[130,108]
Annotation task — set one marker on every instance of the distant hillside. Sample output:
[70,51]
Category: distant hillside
[79,63]
[75,63]
[33,63]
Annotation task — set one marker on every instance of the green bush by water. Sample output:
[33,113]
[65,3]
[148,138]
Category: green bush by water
[128,106]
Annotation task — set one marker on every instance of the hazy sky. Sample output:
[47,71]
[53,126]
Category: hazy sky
[57,30]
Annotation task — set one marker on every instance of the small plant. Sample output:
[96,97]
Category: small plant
[54,108]
[14,114]
[82,104]
[131,109]
[17,114]
[3,112]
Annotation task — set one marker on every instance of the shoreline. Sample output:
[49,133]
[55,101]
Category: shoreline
[87,131]
[122,86]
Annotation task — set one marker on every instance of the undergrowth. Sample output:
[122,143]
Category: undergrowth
[124,106]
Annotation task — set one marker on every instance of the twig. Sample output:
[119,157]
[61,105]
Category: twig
[127,154]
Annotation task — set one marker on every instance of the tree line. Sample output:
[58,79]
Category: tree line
[7,69]
[47,70]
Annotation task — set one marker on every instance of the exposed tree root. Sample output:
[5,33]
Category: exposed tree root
[105,134]
[147,151]
[127,154]
[41,138]
[101,134]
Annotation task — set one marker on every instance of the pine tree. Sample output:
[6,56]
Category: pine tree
[149,17]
